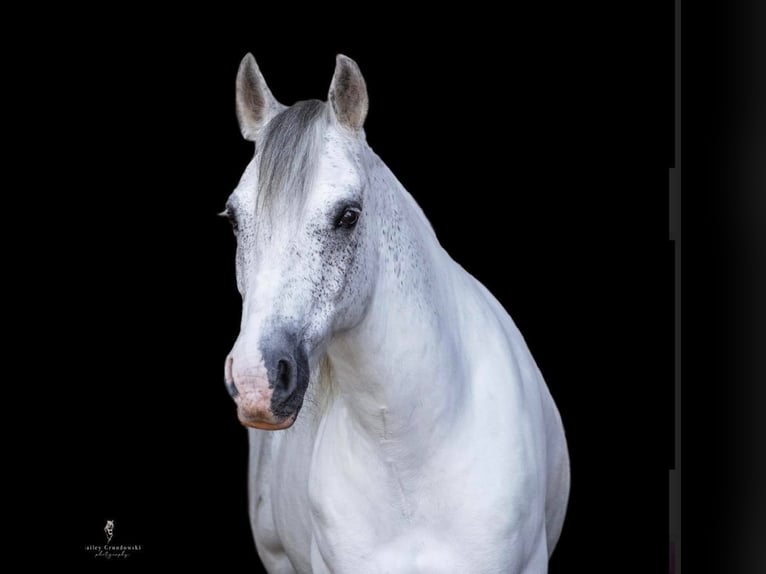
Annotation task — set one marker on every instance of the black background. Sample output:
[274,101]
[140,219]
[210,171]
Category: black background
[538,145]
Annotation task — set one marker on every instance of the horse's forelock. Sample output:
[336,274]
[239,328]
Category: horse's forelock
[289,153]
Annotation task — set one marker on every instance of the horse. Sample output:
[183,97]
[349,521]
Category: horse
[397,421]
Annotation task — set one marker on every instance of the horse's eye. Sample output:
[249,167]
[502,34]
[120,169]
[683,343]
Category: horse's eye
[232,217]
[349,218]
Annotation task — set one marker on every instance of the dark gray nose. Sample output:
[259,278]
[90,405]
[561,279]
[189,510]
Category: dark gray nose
[288,371]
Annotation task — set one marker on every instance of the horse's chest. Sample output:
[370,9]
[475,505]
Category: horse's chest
[308,492]
[369,510]
[339,496]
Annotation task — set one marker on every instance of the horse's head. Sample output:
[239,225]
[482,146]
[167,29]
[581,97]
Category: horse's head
[303,262]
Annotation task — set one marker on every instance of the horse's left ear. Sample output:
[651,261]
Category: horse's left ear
[348,93]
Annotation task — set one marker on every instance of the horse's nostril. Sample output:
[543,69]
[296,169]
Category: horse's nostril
[229,378]
[285,376]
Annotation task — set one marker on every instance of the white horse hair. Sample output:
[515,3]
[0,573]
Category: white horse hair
[427,439]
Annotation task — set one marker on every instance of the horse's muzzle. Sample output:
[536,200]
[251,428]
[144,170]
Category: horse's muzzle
[269,392]
[256,413]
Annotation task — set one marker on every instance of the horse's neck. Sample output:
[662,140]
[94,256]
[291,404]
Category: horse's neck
[401,371]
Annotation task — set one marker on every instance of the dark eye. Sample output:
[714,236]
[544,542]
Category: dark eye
[348,218]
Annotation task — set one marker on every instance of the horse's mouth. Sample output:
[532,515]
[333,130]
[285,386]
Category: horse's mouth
[268,422]
[256,409]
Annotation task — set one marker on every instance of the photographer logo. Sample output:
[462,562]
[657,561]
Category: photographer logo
[109,551]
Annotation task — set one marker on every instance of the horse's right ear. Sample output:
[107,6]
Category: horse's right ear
[255,104]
